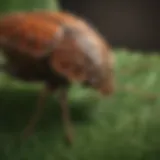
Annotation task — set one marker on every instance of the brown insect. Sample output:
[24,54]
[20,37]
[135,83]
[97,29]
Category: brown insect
[56,48]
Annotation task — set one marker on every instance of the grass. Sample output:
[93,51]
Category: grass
[125,126]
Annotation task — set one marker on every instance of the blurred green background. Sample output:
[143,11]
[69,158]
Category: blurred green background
[125,126]
[27,5]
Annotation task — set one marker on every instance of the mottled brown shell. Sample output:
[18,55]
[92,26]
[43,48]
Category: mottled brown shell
[77,51]
[28,34]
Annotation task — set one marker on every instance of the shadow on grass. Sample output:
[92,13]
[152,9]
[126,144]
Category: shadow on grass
[17,106]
